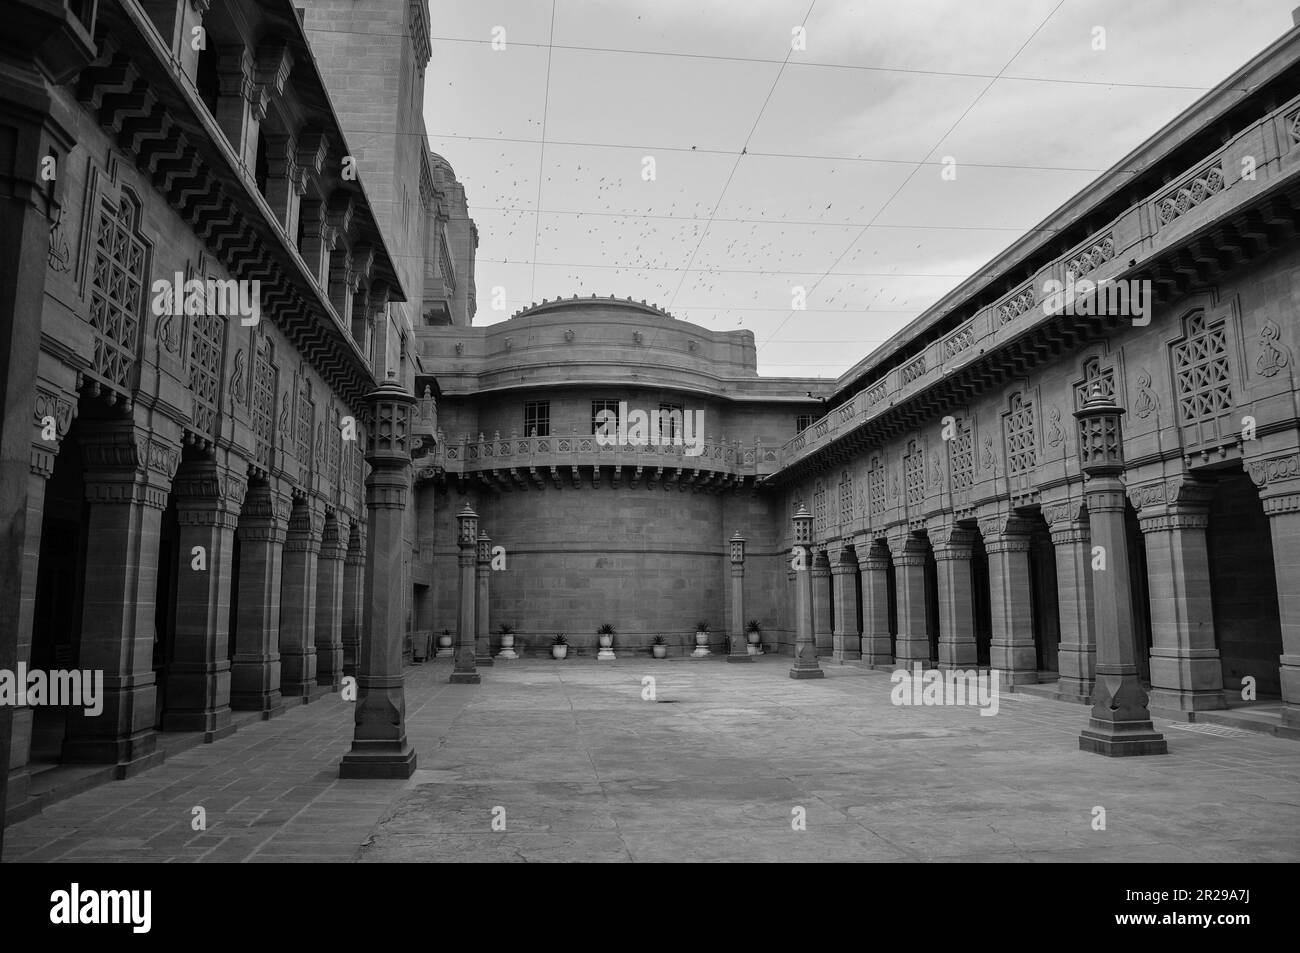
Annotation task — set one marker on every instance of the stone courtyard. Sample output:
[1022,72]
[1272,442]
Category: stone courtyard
[720,766]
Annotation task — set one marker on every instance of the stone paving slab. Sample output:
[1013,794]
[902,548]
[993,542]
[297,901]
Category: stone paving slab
[721,765]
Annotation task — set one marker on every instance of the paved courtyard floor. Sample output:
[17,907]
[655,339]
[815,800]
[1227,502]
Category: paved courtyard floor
[727,762]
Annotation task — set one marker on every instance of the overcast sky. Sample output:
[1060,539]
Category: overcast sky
[839,189]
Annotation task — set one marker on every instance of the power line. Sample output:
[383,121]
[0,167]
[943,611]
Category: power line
[541,157]
[933,149]
[736,165]
[764,221]
[640,147]
[575,48]
[706,271]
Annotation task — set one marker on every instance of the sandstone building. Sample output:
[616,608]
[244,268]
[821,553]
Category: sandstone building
[944,473]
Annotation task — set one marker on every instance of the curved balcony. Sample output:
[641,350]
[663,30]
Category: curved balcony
[516,460]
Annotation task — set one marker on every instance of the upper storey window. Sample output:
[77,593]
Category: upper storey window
[537,418]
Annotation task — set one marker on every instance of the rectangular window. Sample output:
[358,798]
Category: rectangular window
[803,422]
[597,406]
[537,418]
[670,422]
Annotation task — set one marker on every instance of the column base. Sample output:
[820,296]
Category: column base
[270,704]
[130,755]
[806,672]
[394,763]
[846,656]
[1073,690]
[1176,700]
[213,724]
[482,661]
[740,658]
[1102,738]
[912,649]
[465,678]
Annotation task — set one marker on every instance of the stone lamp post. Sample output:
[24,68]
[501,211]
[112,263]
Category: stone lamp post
[1120,723]
[379,745]
[805,646]
[739,649]
[465,672]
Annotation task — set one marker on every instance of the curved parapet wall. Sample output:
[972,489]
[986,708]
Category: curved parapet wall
[576,341]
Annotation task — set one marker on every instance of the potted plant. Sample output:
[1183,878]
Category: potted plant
[660,647]
[605,635]
[560,646]
[754,633]
[507,641]
[701,639]
[444,645]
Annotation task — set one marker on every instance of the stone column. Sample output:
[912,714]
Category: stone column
[329,602]
[913,639]
[55,45]
[846,641]
[805,647]
[255,669]
[1078,654]
[952,560]
[128,476]
[298,600]
[208,499]
[821,602]
[379,745]
[482,575]
[42,465]
[1280,493]
[465,672]
[1120,723]
[354,579]
[241,104]
[739,648]
[282,181]
[1186,672]
[873,563]
[317,238]
[1011,649]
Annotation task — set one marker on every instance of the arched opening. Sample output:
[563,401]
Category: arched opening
[1141,594]
[1047,622]
[932,603]
[891,587]
[164,630]
[207,79]
[60,585]
[983,609]
[1243,588]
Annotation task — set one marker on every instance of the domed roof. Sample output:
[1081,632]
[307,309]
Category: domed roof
[438,160]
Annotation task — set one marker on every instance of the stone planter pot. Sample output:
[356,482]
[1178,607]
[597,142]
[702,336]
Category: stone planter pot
[606,652]
[755,646]
[659,651]
[559,651]
[444,647]
[605,641]
[701,645]
[507,647]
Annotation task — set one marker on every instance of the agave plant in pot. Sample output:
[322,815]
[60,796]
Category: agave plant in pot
[701,639]
[507,641]
[660,647]
[605,635]
[754,633]
[560,646]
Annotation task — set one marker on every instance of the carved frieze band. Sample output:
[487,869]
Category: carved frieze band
[1274,470]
